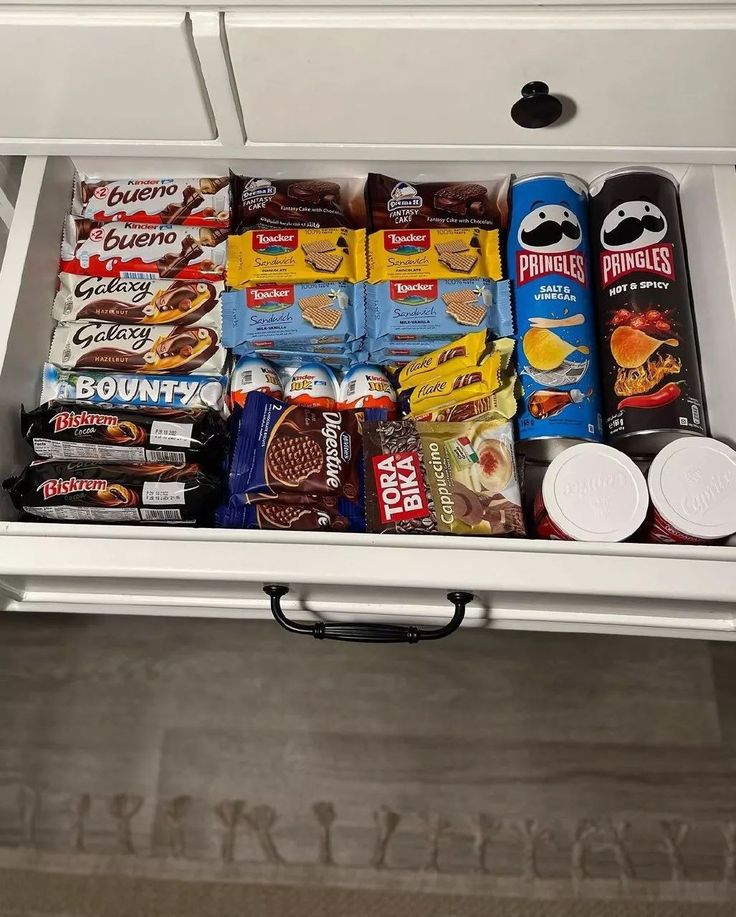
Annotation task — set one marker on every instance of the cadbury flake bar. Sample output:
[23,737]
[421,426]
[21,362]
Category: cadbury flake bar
[84,431]
[283,448]
[138,302]
[446,478]
[445,254]
[188,201]
[137,348]
[395,204]
[135,493]
[309,203]
[139,251]
[140,390]
[296,256]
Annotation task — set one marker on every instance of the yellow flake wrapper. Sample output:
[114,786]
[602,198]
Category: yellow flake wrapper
[451,387]
[501,404]
[441,254]
[296,256]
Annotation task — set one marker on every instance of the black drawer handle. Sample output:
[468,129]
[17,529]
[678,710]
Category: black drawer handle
[370,632]
[536,108]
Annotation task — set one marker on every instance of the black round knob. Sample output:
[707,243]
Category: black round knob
[536,107]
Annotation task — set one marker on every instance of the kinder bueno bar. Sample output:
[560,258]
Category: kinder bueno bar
[130,493]
[319,313]
[63,431]
[141,390]
[137,348]
[190,201]
[396,204]
[265,203]
[139,251]
[296,256]
[410,310]
[138,302]
[416,254]
[282,448]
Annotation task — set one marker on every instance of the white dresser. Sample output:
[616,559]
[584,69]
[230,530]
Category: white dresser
[335,89]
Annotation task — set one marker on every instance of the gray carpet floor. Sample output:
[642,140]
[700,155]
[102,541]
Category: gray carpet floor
[224,766]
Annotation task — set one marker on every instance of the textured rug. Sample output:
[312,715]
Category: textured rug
[156,767]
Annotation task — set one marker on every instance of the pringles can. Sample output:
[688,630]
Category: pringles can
[652,392]
[548,262]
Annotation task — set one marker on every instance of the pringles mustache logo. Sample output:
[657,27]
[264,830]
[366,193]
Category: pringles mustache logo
[632,236]
[549,237]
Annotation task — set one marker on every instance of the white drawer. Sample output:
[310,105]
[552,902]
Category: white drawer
[378,76]
[100,75]
[518,583]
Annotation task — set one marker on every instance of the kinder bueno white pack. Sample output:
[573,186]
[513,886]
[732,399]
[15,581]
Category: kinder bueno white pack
[140,251]
[187,201]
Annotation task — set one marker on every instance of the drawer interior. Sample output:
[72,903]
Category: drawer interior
[27,282]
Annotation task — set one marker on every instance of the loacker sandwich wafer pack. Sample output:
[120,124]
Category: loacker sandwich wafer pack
[411,254]
[415,310]
[293,314]
[296,256]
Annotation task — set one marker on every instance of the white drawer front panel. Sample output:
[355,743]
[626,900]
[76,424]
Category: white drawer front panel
[518,583]
[91,75]
[626,79]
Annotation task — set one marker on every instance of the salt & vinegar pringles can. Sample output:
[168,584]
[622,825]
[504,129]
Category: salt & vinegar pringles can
[652,392]
[548,262]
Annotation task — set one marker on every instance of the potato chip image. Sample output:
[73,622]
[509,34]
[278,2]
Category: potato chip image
[546,350]
[631,347]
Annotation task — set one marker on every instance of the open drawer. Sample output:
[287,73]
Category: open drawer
[626,588]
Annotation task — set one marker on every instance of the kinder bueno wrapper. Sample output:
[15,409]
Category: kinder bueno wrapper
[138,302]
[396,204]
[190,201]
[263,203]
[449,478]
[282,448]
[303,314]
[293,512]
[252,374]
[296,256]
[138,251]
[84,431]
[312,384]
[367,386]
[415,310]
[92,492]
[139,390]
[137,348]
[447,254]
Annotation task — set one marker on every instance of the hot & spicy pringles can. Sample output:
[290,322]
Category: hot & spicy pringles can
[548,262]
[652,391]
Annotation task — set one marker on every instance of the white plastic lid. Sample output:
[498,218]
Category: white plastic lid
[692,483]
[595,493]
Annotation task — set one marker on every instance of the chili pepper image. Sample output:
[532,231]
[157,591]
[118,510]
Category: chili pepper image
[665,395]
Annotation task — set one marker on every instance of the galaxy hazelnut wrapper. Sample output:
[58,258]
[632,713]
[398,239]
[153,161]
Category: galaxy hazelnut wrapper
[150,349]
[442,478]
[138,302]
